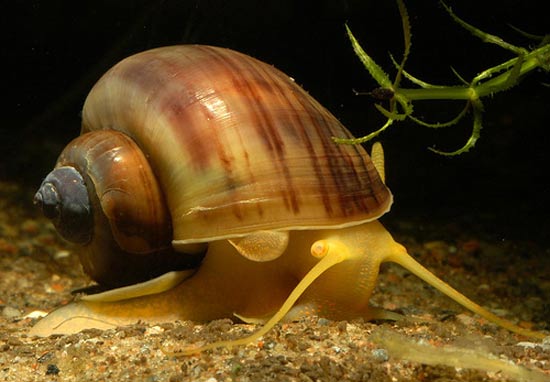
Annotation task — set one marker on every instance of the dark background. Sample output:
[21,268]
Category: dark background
[53,52]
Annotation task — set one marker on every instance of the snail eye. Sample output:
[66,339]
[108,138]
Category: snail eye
[63,198]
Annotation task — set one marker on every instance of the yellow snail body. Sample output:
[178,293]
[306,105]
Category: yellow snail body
[204,158]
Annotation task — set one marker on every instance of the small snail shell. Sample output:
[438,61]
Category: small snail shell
[99,196]
[185,145]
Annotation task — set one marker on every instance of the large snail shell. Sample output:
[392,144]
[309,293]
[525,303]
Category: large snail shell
[185,145]
[236,145]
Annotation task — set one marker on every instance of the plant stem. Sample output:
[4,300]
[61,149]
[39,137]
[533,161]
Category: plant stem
[448,93]
[533,60]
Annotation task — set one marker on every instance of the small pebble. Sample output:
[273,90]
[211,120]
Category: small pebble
[13,341]
[323,321]
[10,312]
[36,314]
[52,369]
[380,354]
[532,345]
[154,330]
[62,254]
[45,357]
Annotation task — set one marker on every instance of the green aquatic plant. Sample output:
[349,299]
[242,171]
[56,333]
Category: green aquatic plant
[488,82]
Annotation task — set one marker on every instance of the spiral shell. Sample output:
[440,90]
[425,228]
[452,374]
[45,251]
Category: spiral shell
[184,146]
[235,144]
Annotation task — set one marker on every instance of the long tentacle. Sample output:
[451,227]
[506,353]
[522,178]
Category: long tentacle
[406,261]
[331,253]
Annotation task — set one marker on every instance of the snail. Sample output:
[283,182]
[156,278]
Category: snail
[219,170]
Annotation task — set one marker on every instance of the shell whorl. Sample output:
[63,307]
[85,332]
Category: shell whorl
[126,234]
[236,145]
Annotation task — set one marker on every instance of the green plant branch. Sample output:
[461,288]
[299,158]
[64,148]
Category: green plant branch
[496,79]
[483,36]
[406,26]
[437,125]
[375,71]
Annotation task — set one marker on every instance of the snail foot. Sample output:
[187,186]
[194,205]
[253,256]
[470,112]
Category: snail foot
[70,319]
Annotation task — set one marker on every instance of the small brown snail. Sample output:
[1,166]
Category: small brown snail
[204,158]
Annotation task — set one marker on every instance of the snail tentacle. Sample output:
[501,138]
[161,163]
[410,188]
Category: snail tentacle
[330,252]
[159,284]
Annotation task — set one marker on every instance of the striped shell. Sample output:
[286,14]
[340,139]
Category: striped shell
[235,144]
